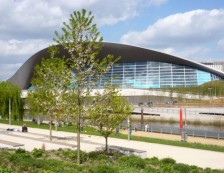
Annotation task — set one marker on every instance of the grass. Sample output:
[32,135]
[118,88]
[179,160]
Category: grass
[92,131]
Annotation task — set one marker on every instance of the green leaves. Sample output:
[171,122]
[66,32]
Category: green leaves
[68,82]
[108,110]
[12,92]
[51,80]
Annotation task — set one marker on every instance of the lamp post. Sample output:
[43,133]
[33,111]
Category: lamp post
[129,129]
[10,112]
[142,118]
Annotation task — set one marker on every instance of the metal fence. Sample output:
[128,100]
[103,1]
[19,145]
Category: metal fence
[177,131]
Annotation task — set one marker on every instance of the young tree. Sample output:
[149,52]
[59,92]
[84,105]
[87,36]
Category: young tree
[112,110]
[83,43]
[51,80]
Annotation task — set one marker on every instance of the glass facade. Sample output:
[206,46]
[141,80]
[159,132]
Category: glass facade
[155,75]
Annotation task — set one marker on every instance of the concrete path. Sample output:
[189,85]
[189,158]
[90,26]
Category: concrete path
[35,138]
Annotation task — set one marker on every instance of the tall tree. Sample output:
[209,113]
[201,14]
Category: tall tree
[51,80]
[82,41]
[111,110]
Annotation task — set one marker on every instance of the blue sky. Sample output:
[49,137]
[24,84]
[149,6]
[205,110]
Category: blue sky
[191,29]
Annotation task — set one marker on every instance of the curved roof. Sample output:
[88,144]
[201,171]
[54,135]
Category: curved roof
[23,76]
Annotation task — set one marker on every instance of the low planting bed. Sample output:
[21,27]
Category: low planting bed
[64,160]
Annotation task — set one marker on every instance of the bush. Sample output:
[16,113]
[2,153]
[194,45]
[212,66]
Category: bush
[97,156]
[182,168]
[195,169]
[73,155]
[104,155]
[209,170]
[167,169]
[20,150]
[5,170]
[133,161]
[168,161]
[103,169]
[153,161]
[149,169]
[37,152]
[21,156]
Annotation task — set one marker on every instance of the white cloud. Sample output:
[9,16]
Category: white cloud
[182,29]
[111,12]
[15,52]
[7,70]
[29,19]
[35,19]
[22,47]
[26,26]
[196,53]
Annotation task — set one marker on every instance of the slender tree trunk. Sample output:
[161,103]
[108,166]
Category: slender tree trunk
[78,128]
[106,144]
[78,140]
[50,123]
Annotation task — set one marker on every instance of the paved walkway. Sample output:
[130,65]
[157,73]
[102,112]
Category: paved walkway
[35,138]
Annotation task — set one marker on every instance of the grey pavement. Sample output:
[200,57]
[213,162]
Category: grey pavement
[35,138]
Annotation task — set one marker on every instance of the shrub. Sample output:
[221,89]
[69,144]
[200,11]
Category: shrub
[97,156]
[182,168]
[38,163]
[133,161]
[153,161]
[103,155]
[5,170]
[195,169]
[103,169]
[20,150]
[73,155]
[167,168]
[37,152]
[93,155]
[149,169]
[209,170]
[21,156]
[168,161]
[22,162]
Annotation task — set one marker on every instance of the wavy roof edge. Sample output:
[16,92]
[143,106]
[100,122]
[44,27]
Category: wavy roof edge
[129,53]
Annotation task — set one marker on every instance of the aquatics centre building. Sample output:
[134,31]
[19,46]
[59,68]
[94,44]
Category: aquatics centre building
[138,68]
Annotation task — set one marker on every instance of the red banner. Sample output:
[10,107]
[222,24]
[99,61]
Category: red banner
[181,118]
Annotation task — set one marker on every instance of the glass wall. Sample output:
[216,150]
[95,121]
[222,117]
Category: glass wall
[155,75]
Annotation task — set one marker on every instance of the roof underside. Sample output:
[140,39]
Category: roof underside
[23,76]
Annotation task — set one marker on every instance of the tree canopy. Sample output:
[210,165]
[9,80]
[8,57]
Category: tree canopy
[81,39]
[11,92]
[51,80]
[111,110]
